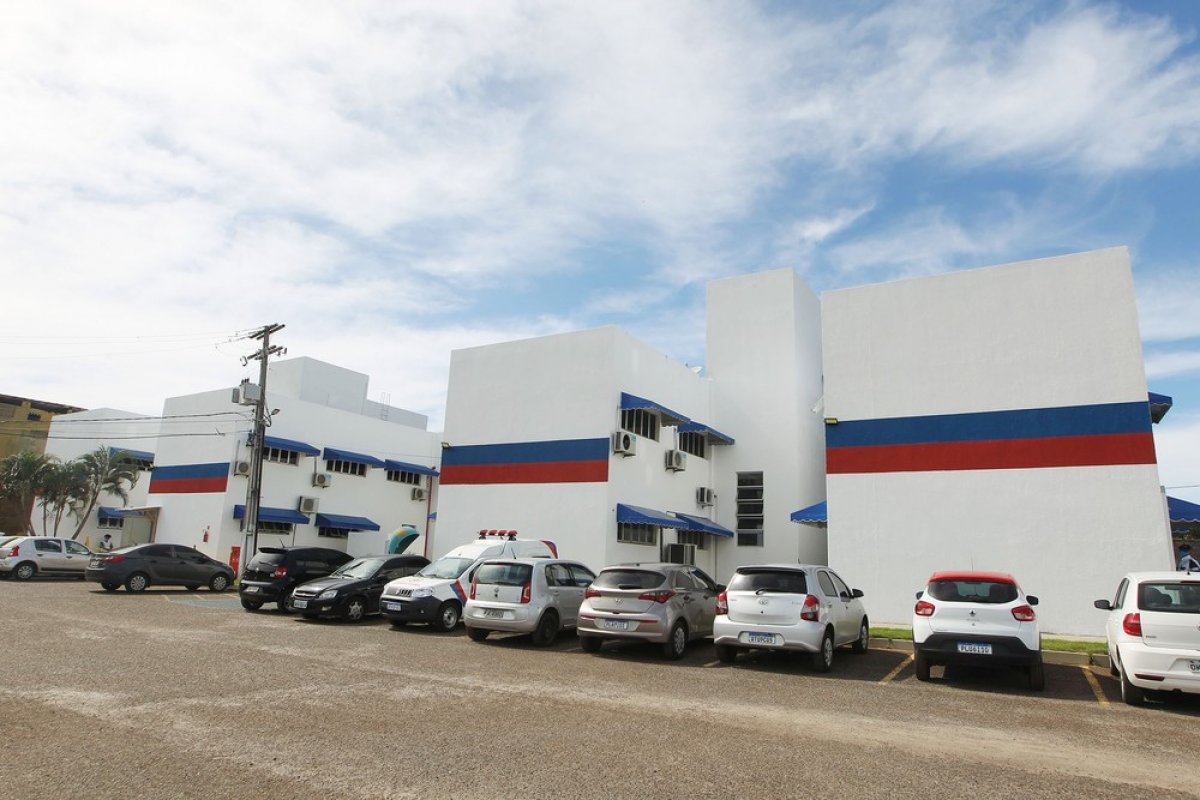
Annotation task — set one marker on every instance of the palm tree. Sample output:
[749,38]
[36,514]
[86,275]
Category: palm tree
[21,476]
[62,484]
[104,471]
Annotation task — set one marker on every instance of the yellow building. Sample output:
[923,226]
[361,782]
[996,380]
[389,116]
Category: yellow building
[24,425]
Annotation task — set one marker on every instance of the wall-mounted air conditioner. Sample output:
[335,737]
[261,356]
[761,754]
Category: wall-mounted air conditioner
[676,460]
[705,496]
[241,467]
[624,443]
[419,494]
[307,505]
[322,479]
[680,554]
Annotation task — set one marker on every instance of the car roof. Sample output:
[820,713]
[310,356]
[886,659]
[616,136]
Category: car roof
[968,575]
[1164,575]
[530,561]
[659,565]
[792,567]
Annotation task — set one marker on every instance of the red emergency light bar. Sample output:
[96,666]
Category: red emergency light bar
[484,533]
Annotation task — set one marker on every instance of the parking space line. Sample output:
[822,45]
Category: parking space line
[1095,684]
[899,668]
[711,664]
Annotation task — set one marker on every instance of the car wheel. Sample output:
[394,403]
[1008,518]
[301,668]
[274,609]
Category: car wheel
[251,605]
[109,586]
[1132,695]
[284,606]
[137,582]
[726,654]
[447,616]
[547,630]
[477,634]
[822,660]
[921,664]
[356,609]
[219,582]
[1037,675]
[24,571]
[676,643]
[590,644]
[192,587]
[864,637]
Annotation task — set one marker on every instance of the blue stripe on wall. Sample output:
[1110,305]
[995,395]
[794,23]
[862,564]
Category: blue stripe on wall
[183,471]
[526,452]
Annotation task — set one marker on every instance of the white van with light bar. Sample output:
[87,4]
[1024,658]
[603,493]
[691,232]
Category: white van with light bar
[436,595]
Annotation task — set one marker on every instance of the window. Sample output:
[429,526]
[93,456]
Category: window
[582,575]
[636,533]
[693,538]
[1120,598]
[693,444]
[750,509]
[842,589]
[111,522]
[826,584]
[333,533]
[277,456]
[402,476]
[705,581]
[346,467]
[34,417]
[276,527]
[643,423]
[76,548]
[558,575]
[47,545]
[157,551]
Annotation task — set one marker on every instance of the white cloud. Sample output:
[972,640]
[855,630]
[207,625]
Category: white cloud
[1169,304]
[1166,365]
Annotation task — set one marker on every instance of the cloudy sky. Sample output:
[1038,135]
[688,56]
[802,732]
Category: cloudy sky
[396,180]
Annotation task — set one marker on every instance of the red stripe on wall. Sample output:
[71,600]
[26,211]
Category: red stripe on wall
[548,472]
[1063,451]
[189,485]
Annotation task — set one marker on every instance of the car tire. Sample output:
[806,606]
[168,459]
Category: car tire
[726,654]
[864,637]
[24,571]
[109,586]
[448,614]
[822,660]
[590,644]
[356,609]
[137,582]
[921,666]
[251,605]
[676,644]
[546,631]
[1037,675]
[1132,695]
[219,582]
[477,634]
[284,606]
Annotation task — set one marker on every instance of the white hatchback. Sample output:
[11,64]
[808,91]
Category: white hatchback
[539,596]
[1153,633]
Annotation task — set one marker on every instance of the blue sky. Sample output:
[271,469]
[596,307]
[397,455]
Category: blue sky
[394,181]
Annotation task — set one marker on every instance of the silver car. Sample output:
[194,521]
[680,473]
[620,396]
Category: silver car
[539,596]
[23,557]
[669,604]
[789,607]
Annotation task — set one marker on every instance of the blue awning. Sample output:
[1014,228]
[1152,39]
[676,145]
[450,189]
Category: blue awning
[713,436]
[346,522]
[403,466]
[1160,404]
[107,512]
[1182,510]
[132,455]
[704,525]
[332,454]
[631,402]
[290,445]
[637,515]
[814,514]
[273,515]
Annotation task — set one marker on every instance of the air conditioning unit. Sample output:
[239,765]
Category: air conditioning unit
[242,467]
[419,494]
[680,554]
[676,460]
[307,505]
[322,479]
[624,443]
[705,496]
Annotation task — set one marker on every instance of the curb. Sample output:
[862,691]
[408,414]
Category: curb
[1058,657]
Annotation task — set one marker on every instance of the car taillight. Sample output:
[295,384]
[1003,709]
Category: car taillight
[525,591]
[113,559]
[661,596]
[723,603]
[474,584]
[1132,624]
[280,572]
[1023,614]
[15,551]
[810,609]
[924,609]
[590,592]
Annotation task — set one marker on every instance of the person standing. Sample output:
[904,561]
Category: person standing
[1187,562]
[106,543]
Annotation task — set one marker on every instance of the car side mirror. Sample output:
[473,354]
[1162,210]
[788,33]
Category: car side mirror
[1103,605]
[919,593]
[856,592]
[1031,599]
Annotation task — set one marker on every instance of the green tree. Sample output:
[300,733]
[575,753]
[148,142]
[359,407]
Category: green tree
[21,477]
[103,471]
[62,483]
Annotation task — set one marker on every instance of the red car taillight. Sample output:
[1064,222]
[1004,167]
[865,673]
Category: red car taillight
[661,596]
[525,592]
[1132,624]
[723,603]
[113,559]
[474,584]
[1023,614]
[280,572]
[924,609]
[811,608]
[15,551]
[590,592]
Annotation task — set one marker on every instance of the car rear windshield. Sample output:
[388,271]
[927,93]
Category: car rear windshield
[1178,597]
[769,581]
[628,579]
[504,574]
[973,591]
[263,560]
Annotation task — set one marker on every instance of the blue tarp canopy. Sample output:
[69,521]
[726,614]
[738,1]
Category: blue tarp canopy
[290,445]
[132,455]
[814,514]
[332,454]
[713,436]
[638,515]
[704,525]
[273,515]
[346,522]
[403,466]
[1160,404]
[1182,510]
[107,512]
[631,402]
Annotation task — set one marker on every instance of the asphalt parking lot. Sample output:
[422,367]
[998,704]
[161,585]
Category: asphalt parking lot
[176,694]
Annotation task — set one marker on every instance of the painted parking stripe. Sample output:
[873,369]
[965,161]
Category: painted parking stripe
[899,668]
[1095,684]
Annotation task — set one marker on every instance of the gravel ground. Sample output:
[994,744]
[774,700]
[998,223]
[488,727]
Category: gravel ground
[174,694]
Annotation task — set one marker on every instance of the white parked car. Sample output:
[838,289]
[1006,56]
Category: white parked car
[1153,633]
[789,607]
[978,619]
[22,557]
[526,595]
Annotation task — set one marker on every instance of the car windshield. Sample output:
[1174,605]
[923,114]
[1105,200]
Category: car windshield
[973,591]
[359,568]
[504,574]
[628,579]
[446,568]
[769,581]
[1175,597]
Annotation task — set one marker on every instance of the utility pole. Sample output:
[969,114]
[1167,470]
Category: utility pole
[254,491]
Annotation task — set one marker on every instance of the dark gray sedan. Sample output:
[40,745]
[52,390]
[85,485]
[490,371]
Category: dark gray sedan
[144,565]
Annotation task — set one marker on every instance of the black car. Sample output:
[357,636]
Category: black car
[143,565]
[353,590]
[274,572]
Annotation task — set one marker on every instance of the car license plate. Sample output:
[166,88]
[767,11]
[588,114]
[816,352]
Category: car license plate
[393,606]
[975,649]
[615,624]
[1194,665]
[299,603]
[95,562]
[493,613]
[760,638]
[251,590]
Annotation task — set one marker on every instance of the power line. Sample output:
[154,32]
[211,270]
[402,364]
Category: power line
[58,420]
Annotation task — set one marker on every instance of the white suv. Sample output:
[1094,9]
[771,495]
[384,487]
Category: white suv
[977,619]
[1153,633]
[526,595]
[789,607]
